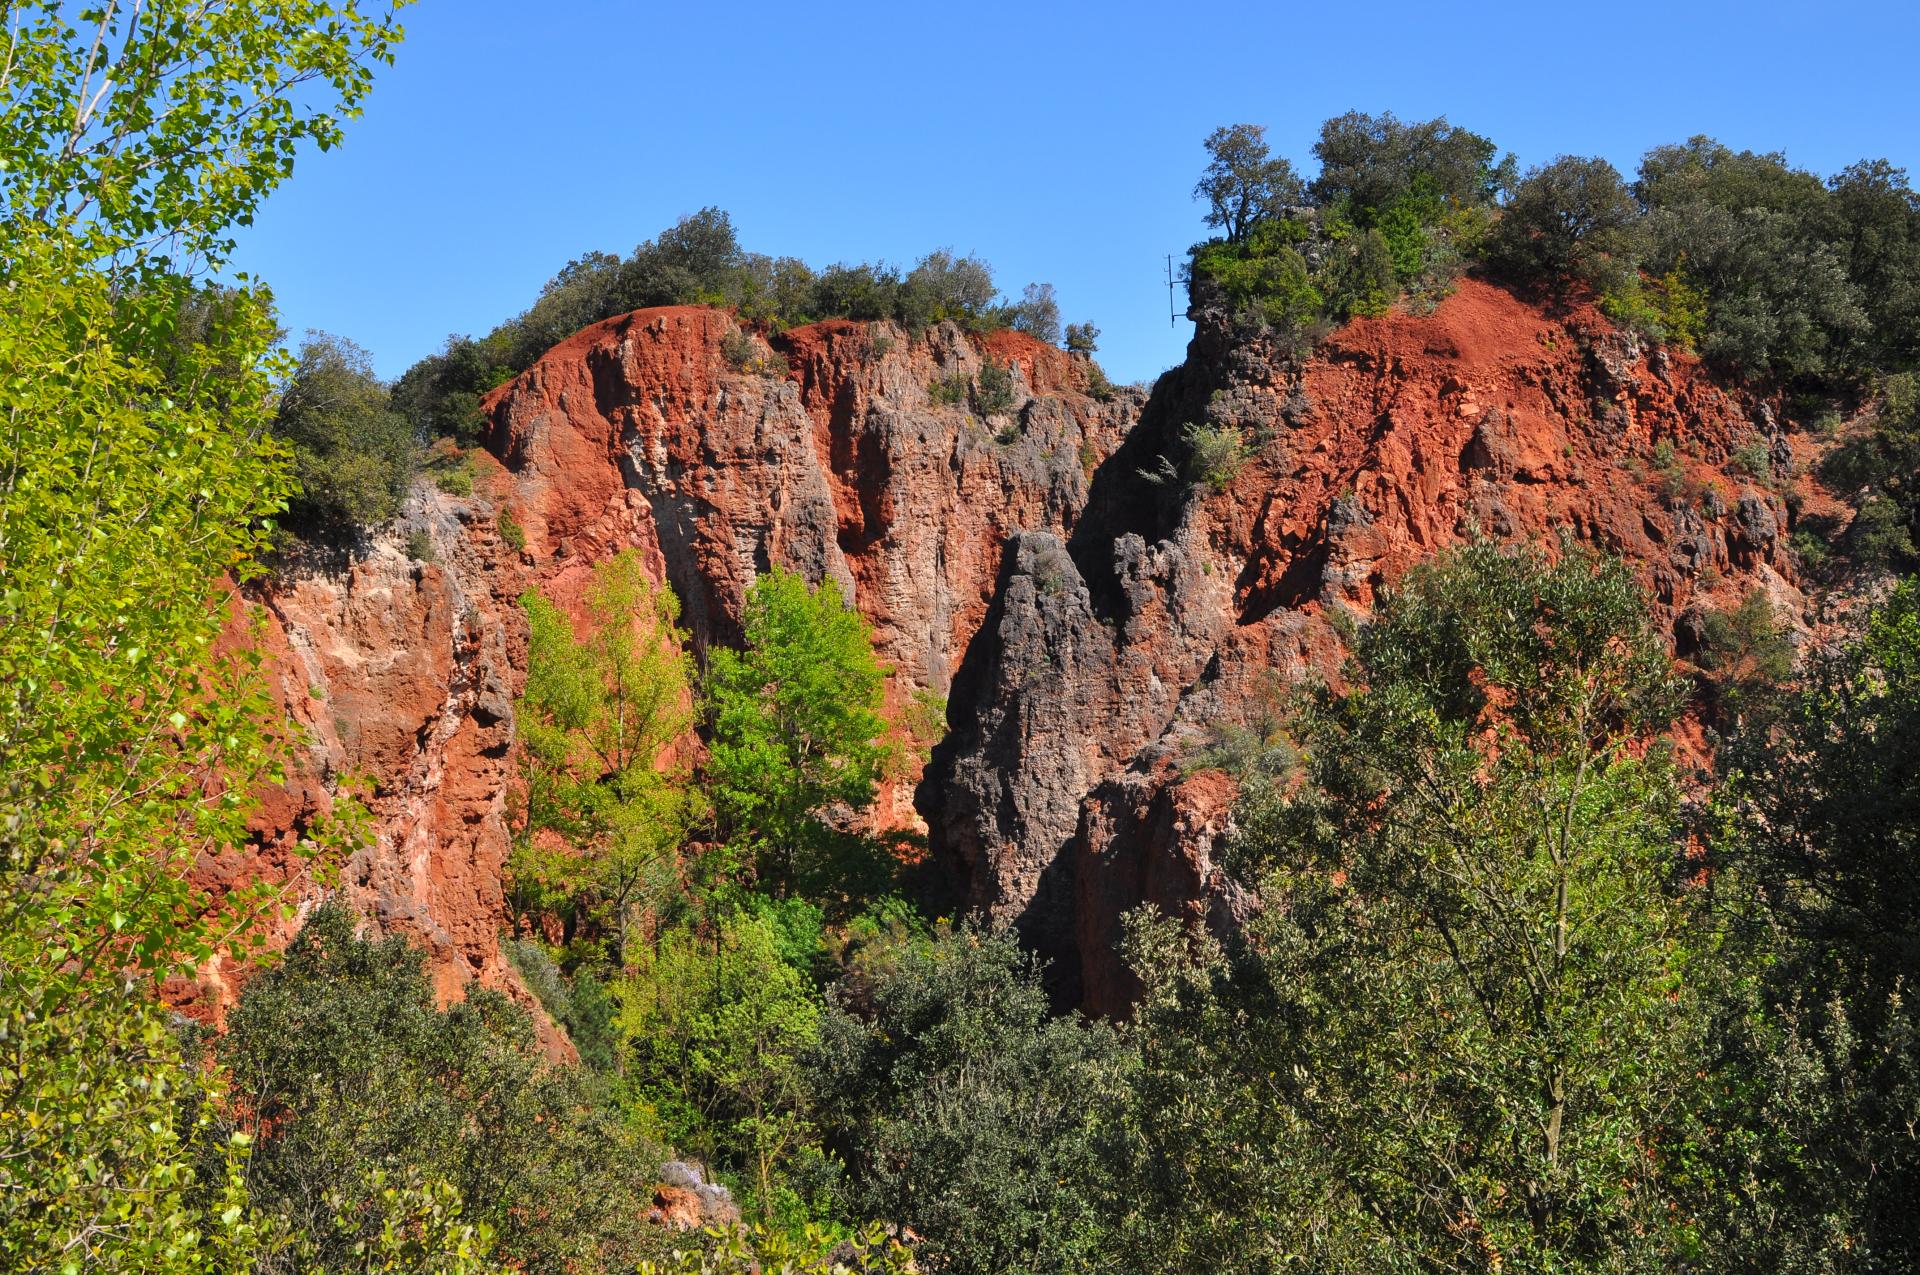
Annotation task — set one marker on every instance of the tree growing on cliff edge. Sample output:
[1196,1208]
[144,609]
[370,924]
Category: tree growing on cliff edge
[1463,1034]
[797,732]
[1572,218]
[601,709]
[352,453]
[1244,182]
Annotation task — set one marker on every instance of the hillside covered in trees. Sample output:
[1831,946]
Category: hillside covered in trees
[753,767]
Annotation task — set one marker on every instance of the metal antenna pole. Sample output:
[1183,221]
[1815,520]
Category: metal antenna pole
[1172,309]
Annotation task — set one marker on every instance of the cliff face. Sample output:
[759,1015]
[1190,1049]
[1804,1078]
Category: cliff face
[1088,625]
[1059,798]
[640,433]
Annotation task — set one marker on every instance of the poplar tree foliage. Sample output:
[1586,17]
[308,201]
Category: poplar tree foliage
[1462,1032]
[137,482]
[797,733]
[601,709]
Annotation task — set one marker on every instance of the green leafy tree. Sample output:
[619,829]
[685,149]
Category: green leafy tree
[601,712]
[1244,183]
[374,1113]
[963,1107]
[1823,829]
[151,130]
[1372,161]
[137,483]
[1462,1032]
[1879,240]
[1754,234]
[352,453]
[797,732]
[714,1026]
[1573,218]
[1037,314]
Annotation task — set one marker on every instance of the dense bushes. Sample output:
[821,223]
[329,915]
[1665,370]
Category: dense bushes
[1397,207]
[699,261]
[960,1105]
[353,454]
[1484,1006]
[1572,219]
[342,1067]
[1764,268]
[1823,799]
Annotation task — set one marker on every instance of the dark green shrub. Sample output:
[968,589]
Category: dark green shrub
[1573,218]
[961,1107]
[737,348]
[993,391]
[1879,217]
[949,389]
[1746,651]
[1098,386]
[1826,802]
[341,1065]
[1753,458]
[1082,338]
[352,453]
[511,531]
[1753,234]
[1372,161]
[1359,276]
[440,395]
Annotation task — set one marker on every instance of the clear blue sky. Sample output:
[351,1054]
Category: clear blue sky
[1060,142]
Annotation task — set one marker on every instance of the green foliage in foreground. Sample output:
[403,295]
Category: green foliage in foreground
[136,472]
[1462,1032]
[1823,804]
[715,1024]
[961,1105]
[342,1068]
[139,484]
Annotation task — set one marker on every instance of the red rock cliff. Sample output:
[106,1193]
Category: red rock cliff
[1088,625]
[1059,800]
[639,433]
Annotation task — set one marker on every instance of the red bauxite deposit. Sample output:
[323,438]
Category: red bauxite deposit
[1086,625]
